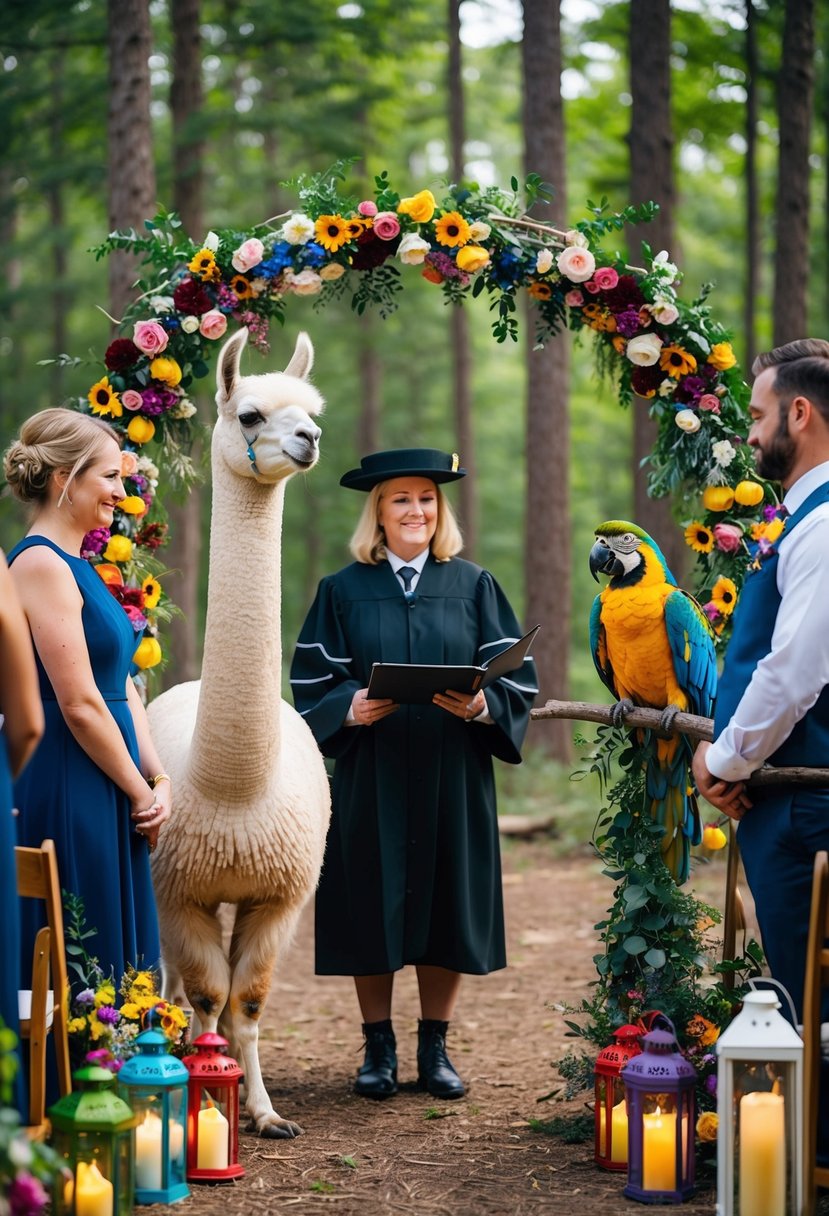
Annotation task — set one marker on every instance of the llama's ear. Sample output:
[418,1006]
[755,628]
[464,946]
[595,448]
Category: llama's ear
[302,360]
[227,366]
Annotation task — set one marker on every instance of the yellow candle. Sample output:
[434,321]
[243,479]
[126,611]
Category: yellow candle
[618,1133]
[762,1155]
[214,1134]
[93,1192]
[659,1151]
[148,1151]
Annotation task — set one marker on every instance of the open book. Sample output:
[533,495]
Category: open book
[417,683]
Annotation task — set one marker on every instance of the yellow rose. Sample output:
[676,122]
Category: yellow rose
[722,356]
[717,498]
[141,430]
[166,370]
[148,653]
[133,505]
[421,206]
[707,1125]
[714,837]
[472,258]
[119,549]
[748,493]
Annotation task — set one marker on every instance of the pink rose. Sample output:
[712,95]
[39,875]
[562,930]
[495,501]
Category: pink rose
[574,298]
[606,278]
[150,337]
[728,537]
[576,264]
[386,225]
[248,255]
[592,287]
[706,402]
[306,283]
[129,460]
[367,208]
[213,324]
[131,400]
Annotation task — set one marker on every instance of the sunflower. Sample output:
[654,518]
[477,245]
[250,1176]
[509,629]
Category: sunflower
[700,538]
[676,361]
[204,265]
[724,595]
[332,232]
[452,229]
[356,227]
[152,591]
[104,399]
[539,291]
[241,287]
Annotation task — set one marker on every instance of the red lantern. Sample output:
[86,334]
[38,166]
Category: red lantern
[212,1112]
[611,1143]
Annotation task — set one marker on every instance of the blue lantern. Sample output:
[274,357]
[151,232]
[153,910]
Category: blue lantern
[154,1083]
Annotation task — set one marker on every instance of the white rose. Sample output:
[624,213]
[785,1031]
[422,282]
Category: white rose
[189,324]
[211,242]
[576,263]
[723,452]
[643,350]
[412,249]
[332,271]
[182,409]
[687,420]
[666,270]
[664,311]
[146,466]
[479,231]
[162,303]
[543,261]
[306,283]
[574,237]
[298,230]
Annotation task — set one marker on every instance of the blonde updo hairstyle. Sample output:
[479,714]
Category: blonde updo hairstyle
[368,542]
[51,440]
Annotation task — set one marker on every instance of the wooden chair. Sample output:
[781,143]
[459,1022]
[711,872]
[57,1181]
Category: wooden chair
[816,979]
[37,878]
[734,917]
[36,1013]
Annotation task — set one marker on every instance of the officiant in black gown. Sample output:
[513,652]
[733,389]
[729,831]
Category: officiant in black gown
[412,871]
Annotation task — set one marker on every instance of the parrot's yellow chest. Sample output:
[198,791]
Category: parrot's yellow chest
[637,643]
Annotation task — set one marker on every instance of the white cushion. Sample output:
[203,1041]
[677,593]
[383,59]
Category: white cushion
[24,1005]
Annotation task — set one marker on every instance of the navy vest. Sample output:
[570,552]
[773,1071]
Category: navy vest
[754,620]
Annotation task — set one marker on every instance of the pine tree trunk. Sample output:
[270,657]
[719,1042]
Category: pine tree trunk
[753,252]
[547,525]
[652,177]
[461,353]
[371,373]
[131,186]
[56,203]
[183,553]
[795,87]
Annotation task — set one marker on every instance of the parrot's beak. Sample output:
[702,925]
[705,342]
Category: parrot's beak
[602,560]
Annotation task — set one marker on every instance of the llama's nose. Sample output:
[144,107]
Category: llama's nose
[309,433]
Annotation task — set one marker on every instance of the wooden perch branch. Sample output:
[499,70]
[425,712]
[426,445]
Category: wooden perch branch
[692,725]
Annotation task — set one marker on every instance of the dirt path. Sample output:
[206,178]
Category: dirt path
[411,1154]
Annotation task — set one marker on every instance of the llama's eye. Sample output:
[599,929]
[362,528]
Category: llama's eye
[250,418]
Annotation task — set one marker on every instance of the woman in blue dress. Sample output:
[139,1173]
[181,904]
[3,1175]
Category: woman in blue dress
[22,726]
[95,784]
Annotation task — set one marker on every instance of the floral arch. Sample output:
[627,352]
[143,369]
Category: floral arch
[654,346]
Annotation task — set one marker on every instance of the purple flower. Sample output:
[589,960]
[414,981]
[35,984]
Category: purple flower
[711,1084]
[26,1196]
[140,482]
[226,298]
[94,542]
[104,1059]
[152,402]
[108,1015]
[627,322]
[87,997]
[447,266]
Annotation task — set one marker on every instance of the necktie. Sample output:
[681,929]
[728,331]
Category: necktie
[407,573]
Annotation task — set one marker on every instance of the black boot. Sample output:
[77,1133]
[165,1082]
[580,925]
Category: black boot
[434,1069]
[378,1076]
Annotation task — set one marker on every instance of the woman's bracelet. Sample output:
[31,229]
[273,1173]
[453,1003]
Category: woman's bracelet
[152,782]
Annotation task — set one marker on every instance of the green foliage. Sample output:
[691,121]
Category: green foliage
[28,1168]
[321,1187]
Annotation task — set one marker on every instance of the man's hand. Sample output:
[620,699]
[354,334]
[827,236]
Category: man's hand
[727,796]
[366,712]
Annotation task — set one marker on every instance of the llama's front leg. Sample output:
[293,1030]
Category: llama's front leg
[195,962]
[258,934]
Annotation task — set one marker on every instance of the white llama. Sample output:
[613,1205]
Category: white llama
[250,793]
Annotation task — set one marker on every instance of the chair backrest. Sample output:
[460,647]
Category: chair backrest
[37,878]
[34,1027]
[815,980]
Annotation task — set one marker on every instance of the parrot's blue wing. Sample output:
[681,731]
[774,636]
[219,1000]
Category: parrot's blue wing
[598,647]
[692,647]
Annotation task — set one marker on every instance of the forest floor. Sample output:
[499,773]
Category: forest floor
[412,1154]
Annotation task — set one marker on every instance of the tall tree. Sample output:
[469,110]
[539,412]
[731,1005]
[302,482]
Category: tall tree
[129,135]
[752,242]
[461,353]
[652,177]
[547,522]
[795,87]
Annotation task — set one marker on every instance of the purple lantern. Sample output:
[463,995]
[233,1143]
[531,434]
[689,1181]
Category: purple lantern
[659,1090]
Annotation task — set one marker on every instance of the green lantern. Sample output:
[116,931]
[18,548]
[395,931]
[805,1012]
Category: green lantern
[154,1083]
[92,1132]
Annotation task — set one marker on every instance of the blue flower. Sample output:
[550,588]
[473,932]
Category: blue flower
[312,255]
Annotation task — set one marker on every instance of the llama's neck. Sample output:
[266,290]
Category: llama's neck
[236,740]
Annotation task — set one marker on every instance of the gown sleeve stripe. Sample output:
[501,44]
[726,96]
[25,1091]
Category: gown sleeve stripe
[499,642]
[518,687]
[331,658]
[316,680]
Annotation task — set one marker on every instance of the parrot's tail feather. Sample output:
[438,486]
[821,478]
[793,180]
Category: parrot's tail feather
[673,806]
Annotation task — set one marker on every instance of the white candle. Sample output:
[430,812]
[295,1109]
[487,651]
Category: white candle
[659,1151]
[148,1151]
[93,1192]
[618,1133]
[762,1155]
[214,1136]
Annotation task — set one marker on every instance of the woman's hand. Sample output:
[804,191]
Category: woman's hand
[460,704]
[367,712]
[149,820]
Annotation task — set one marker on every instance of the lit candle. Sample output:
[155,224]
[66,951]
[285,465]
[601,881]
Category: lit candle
[618,1133]
[762,1155]
[93,1192]
[148,1151]
[659,1151]
[214,1134]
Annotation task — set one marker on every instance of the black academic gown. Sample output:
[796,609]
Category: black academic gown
[412,870]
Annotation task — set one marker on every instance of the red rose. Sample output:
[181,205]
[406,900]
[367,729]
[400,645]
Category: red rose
[190,297]
[121,354]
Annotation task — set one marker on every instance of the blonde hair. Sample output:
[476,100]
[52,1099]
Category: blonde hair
[50,440]
[368,541]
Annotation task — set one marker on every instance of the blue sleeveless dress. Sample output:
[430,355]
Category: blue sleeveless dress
[62,794]
[10,979]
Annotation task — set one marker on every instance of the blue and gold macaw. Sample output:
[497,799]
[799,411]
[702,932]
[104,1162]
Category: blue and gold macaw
[653,646]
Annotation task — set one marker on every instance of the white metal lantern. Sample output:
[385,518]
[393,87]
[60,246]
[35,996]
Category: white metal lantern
[760,1112]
